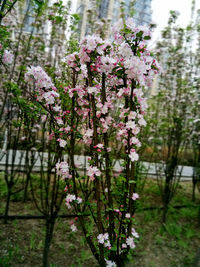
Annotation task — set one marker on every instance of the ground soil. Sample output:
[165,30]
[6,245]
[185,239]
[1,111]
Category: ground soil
[175,244]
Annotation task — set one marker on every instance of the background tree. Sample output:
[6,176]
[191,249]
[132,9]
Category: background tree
[172,115]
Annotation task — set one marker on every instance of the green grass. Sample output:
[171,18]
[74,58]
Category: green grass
[178,237]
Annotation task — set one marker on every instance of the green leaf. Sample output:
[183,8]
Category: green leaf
[147,37]
[114,248]
[138,53]
[132,182]
[139,34]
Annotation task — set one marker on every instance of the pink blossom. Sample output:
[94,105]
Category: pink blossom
[73,228]
[71,198]
[134,141]
[92,90]
[93,171]
[132,115]
[107,244]
[87,136]
[130,125]
[102,238]
[71,59]
[100,145]
[89,133]
[124,245]
[67,129]
[79,200]
[49,98]
[43,118]
[110,263]
[135,196]
[130,242]
[135,130]
[37,74]
[62,168]
[133,155]
[59,121]
[51,136]
[62,142]
[7,57]
[134,233]
[57,108]
[142,122]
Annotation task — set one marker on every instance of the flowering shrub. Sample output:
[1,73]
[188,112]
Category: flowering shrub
[6,56]
[104,103]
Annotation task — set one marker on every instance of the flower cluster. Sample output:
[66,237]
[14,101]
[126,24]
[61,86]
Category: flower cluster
[7,57]
[70,199]
[39,77]
[93,171]
[104,239]
[130,240]
[62,169]
[46,92]
[73,225]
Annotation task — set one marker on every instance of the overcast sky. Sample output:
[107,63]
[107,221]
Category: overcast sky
[161,10]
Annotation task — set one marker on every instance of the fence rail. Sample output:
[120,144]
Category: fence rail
[82,163]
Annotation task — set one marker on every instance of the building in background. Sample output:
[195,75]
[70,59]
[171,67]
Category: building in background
[143,12]
[110,10]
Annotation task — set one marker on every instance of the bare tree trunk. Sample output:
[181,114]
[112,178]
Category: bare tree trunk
[50,222]
[193,187]
[7,206]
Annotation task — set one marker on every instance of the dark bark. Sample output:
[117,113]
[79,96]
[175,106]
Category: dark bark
[50,222]
[7,206]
